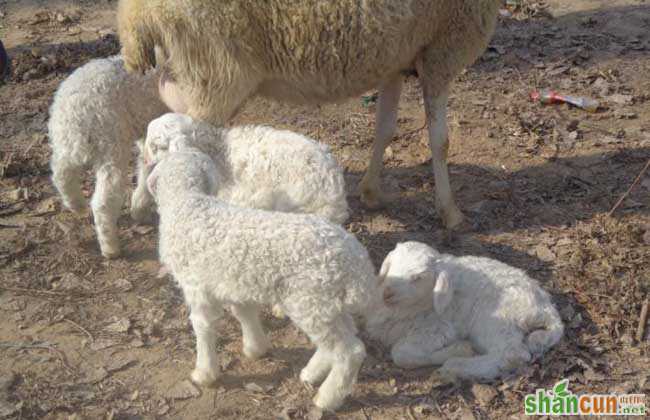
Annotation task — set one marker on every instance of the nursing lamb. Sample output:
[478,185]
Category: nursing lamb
[219,254]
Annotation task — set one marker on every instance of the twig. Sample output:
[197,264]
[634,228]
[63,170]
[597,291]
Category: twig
[37,291]
[27,346]
[409,411]
[629,190]
[643,320]
[79,327]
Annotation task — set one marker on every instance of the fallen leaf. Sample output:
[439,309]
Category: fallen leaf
[183,390]
[544,253]
[119,326]
[484,394]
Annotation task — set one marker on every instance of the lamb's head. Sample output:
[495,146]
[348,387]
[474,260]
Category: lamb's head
[168,133]
[188,171]
[410,278]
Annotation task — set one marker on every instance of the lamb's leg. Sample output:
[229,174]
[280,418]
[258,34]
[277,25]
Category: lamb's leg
[339,340]
[142,203]
[67,180]
[318,367]
[385,125]
[436,92]
[410,355]
[255,342]
[106,204]
[486,367]
[204,314]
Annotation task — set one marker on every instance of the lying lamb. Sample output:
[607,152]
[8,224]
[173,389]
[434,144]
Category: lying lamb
[97,114]
[439,309]
[313,52]
[259,167]
[319,274]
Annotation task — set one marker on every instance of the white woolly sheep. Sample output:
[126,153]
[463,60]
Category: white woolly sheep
[317,273]
[220,54]
[97,114]
[259,167]
[439,309]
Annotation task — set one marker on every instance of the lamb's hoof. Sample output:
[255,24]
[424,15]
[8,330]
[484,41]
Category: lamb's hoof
[328,402]
[373,199]
[312,378]
[257,351]
[203,377]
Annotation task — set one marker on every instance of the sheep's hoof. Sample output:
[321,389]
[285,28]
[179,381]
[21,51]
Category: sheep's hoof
[143,216]
[111,253]
[373,199]
[454,219]
[203,377]
[257,351]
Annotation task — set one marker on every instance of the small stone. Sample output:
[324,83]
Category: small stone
[484,394]
[315,413]
[544,253]
[183,390]
[389,153]
[119,326]
[254,387]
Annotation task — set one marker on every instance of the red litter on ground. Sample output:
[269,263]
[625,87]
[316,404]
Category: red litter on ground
[547,97]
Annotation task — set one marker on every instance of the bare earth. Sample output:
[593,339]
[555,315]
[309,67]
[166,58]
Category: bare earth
[82,337]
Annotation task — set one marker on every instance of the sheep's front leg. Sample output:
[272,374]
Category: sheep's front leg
[204,314]
[385,125]
[255,342]
[436,93]
[142,202]
[106,205]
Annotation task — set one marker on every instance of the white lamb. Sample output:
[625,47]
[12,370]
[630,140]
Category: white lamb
[317,273]
[258,167]
[439,309]
[97,114]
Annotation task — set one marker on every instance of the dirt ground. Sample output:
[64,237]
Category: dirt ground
[86,338]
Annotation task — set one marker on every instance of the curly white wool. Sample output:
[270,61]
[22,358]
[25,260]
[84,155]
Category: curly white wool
[438,309]
[315,271]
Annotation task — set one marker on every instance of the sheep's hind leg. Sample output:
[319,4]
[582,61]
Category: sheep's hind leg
[204,314]
[255,342]
[67,180]
[385,125]
[486,367]
[106,204]
[436,93]
[338,340]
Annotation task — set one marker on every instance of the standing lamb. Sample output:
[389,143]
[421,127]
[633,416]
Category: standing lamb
[97,114]
[259,167]
[317,273]
[439,309]
[312,51]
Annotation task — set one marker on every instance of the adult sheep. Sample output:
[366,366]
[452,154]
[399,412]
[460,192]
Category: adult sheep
[218,54]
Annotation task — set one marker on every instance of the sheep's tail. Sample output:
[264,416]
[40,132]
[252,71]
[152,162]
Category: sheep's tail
[67,178]
[548,330]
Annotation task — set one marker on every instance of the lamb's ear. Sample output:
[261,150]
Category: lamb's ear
[383,271]
[442,292]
